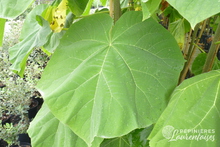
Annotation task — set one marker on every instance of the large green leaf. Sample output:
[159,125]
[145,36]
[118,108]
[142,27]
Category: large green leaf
[19,52]
[105,81]
[2,28]
[196,10]
[192,117]
[47,131]
[10,9]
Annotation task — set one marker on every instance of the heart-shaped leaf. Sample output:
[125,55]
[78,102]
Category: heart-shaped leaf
[105,81]
[192,117]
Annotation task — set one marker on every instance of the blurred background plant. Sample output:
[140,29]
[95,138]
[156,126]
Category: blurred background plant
[16,93]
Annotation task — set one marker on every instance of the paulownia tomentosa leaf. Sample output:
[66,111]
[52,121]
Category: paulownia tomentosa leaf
[104,81]
[34,36]
[196,11]
[30,20]
[47,131]
[20,52]
[10,9]
[194,109]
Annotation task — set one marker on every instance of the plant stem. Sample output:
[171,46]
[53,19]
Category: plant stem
[186,47]
[115,9]
[193,39]
[212,51]
[201,50]
[187,64]
[192,50]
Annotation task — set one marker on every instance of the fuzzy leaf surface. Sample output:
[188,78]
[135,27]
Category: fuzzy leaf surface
[103,80]
[194,105]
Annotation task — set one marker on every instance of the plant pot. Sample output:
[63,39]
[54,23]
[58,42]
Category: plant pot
[24,140]
[35,105]
[14,119]
[14,146]
[24,144]
[33,108]
[3,143]
[2,85]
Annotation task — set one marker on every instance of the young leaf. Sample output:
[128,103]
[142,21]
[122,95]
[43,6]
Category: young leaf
[192,116]
[196,11]
[103,81]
